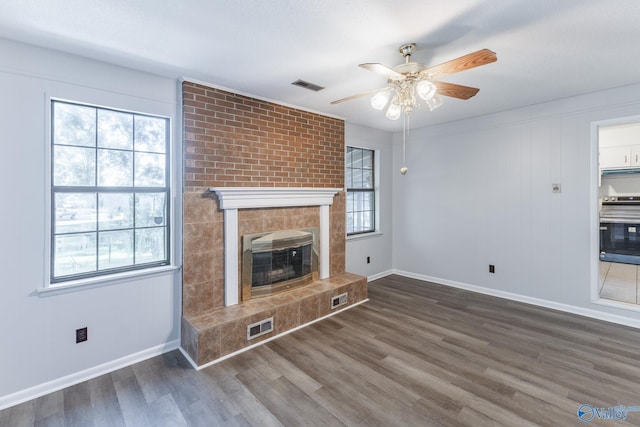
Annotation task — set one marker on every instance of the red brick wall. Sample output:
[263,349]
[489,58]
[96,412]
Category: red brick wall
[232,140]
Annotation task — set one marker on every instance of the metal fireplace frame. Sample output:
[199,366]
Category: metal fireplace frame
[247,288]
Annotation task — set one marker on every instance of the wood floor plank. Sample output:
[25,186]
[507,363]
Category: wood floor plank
[333,401]
[237,400]
[133,405]
[417,354]
[50,405]
[19,415]
[165,412]
[77,405]
[105,408]
[289,370]
[276,396]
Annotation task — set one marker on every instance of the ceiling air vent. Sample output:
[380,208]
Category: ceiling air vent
[307,85]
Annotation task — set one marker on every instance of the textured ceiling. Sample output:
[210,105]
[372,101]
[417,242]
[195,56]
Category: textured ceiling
[546,49]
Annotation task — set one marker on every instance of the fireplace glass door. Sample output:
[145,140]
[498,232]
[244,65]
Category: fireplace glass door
[278,261]
[280,265]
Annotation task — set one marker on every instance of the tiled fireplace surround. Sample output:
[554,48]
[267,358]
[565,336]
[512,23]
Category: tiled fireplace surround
[235,141]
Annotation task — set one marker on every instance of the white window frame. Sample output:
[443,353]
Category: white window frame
[374,191]
[51,287]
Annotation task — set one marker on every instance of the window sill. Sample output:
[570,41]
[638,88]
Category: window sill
[96,282]
[364,235]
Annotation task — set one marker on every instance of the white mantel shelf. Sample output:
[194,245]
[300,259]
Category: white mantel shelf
[273,197]
[233,198]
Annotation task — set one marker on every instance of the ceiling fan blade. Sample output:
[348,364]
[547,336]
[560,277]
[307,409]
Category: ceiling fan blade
[358,95]
[466,62]
[455,91]
[382,69]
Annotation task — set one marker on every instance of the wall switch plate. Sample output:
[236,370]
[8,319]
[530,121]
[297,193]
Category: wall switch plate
[556,188]
[81,335]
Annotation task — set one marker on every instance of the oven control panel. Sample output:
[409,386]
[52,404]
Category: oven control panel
[627,200]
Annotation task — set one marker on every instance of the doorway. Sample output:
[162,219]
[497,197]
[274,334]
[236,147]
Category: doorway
[618,217]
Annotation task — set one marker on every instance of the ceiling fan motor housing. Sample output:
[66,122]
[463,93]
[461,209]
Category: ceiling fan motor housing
[407,50]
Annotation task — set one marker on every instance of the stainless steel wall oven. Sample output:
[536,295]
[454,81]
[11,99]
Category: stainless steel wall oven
[620,229]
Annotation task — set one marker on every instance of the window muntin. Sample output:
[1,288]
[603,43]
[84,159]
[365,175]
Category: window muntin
[360,185]
[110,191]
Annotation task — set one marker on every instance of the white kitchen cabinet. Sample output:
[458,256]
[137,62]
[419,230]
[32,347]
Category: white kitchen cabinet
[621,157]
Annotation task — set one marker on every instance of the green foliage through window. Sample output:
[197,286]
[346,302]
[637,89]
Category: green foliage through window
[110,191]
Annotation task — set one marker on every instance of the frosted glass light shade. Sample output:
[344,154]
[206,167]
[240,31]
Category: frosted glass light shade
[380,99]
[394,110]
[434,102]
[426,89]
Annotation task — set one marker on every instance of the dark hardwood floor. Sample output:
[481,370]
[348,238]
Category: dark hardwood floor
[417,354]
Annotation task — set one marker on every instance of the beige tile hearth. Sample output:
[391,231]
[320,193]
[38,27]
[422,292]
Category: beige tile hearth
[221,331]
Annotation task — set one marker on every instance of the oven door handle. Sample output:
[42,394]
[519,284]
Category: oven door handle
[630,221]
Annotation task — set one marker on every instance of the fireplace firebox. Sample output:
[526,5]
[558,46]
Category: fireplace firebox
[278,261]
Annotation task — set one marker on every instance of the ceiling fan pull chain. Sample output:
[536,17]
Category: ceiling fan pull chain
[405,132]
[404,169]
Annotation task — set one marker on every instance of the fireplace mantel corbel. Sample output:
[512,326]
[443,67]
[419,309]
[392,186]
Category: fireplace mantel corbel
[233,198]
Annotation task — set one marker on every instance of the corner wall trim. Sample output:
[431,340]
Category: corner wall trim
[380,275]
[87,374]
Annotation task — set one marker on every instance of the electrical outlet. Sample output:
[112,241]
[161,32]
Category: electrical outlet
[81,335]
[368,260]
[492,268]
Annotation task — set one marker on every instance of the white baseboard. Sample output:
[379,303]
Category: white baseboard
[380,275]
[594,314]
[87,374]
[242,350]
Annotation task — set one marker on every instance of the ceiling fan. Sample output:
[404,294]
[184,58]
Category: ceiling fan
[406,80]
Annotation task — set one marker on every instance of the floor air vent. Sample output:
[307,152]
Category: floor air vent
[257,329]
[338,300]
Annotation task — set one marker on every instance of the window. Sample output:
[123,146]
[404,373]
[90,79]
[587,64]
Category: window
[360,191]
[109,192]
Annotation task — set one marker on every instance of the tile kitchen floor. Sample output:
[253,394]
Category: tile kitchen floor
[619,282]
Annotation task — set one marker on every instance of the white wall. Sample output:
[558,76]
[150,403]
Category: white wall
[378,246]
[126,321]
[478,192]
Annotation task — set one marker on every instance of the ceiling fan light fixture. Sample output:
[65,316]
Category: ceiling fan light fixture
[409,82]
[434,102]
[394,110]
[380,99]
[426,89]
